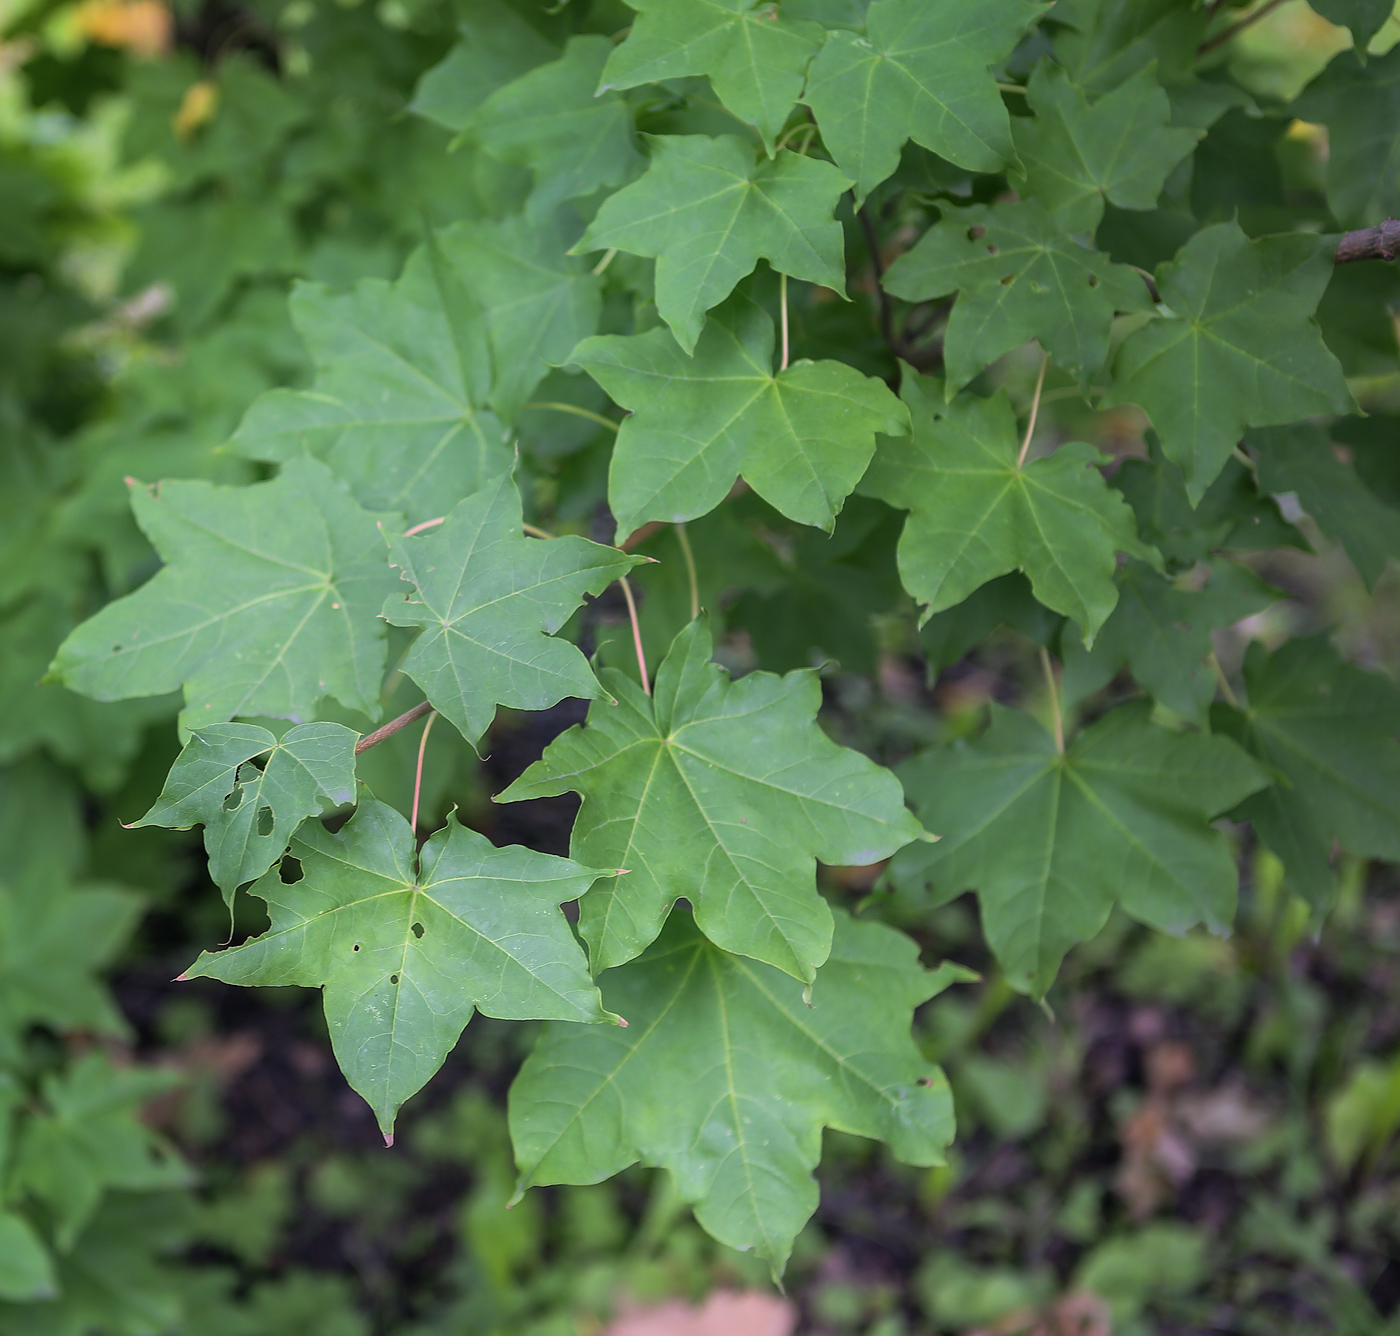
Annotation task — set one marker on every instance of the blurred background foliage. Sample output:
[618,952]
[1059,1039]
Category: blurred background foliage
[1194,1135]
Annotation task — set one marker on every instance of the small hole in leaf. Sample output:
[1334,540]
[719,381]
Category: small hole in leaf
[234,801]
[417,929]
[290,871]
[265,821]
[976,233]
[1093,280]
[394,979]
[356,947]
[116,649]
[991,250]
[1008,280]
[925,1081]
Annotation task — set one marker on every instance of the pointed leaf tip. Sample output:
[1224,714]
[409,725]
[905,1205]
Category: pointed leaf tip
[622,1021]
[181,978]
[388,1140]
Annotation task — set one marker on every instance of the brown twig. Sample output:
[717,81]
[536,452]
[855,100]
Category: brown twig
[1381,242]
[872,241]
[1220,38]
[393,726]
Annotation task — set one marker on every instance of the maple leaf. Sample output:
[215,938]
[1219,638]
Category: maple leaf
[921,71]
[1161,630]
[407,946]
[550,121]
[268,602]
[801,437]
[723,792]
[1018,277]
[1051,842]
[725,1077]
[26,1269]
[1329,730]
[397,409]
[88,1141]
[1102,43]
[1299,459]
[1236,346]
[535,301]
[709,211]
[1121,148]
[249,813]
[489,601]
[978,511]
[755,58]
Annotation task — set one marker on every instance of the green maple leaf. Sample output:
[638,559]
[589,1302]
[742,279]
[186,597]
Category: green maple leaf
[801,437]
[709,211]
[550,121]
[406,947]
[977,511]
[26,1269]
[268,602]
[535,301]
[1328,730]
[53,941]
[725,793]
[1120,148]
[921,71]
[1359,105]
[88,1140]
[249,813]
[489,601]
[1365,18]
[726,1077]
[1239,347]
[1300,459]
[1050,842]
[755,58]
[497,46]
[1161,630]
[1104,42]
[1018,277]
[397,409]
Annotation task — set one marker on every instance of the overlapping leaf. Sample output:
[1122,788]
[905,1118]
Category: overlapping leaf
[1329,731]
[488,600]
[801,437]
[407,946]
[26,1269]
[978,511]
[1018,277]
[1103,42]
[725,1077]
[1299,459]
[723,792]
[1051,842]
[1161,630]
[1239,348]
[1075,155]
[535,301]
[550,121]
[1365,18]
[709,211]
[268,602]
[397,407]
[921,71]
[249,812]
[755,58]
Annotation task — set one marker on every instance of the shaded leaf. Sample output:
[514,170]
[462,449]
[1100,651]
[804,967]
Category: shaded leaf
[1365,18]
[1018,277]
[723,792]
[725,1077]
[1237,347]
[801,437]
[709,211]
[249,813]
[921,71]
[268,602]
[489,600]
[977,511]
[1105,42]
[26,1269]
[1050,843]
[1076,155]
[406,947]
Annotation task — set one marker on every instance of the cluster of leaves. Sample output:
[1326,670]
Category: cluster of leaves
[804,248]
